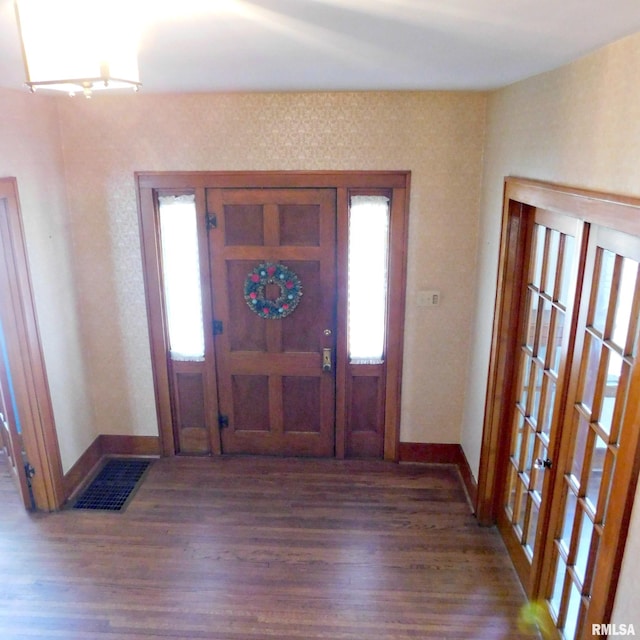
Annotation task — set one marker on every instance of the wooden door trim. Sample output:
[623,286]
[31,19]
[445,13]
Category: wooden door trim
[157,321]
[342,287]
[175,180]
[505,331]
[398,241]
[395,182]
[27,364]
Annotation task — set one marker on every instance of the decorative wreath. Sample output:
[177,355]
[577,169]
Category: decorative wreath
[270,273]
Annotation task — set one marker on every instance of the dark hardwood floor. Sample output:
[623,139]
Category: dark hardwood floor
[253,549]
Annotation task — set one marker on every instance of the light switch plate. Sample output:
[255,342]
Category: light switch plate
[429,298]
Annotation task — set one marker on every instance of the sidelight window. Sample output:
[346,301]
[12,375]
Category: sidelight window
[368,257]
[181,276]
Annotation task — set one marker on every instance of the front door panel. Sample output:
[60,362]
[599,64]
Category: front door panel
[273,246]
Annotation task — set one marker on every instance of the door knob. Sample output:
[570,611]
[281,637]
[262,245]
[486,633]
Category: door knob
[326,360]
[543,464]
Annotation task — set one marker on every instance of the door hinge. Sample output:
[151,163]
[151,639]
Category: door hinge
[223,421]
[212,221]
[217,327]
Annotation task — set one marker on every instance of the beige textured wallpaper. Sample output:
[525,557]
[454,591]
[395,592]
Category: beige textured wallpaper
[438,136]
[578,125]
[75,161]
[31,151]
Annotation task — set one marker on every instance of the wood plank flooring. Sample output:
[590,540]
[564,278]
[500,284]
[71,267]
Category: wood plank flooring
[260,549]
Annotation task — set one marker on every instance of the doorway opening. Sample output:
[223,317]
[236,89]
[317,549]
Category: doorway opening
[27,429]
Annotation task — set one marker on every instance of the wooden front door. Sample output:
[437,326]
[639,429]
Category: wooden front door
[273,278]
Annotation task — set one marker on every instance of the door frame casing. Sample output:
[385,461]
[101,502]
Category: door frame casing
[26,360]
[395,182]
[521,198]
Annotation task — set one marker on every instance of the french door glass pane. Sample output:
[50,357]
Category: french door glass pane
[521,503]
[543,338]
[567,263]
[512,479]
[549,403]
[614,372]
[571,503]
[517,437]
[525,372]
[591,362]
[537,392]
[367,295]
[595,473]
[584,544]
[538,255]
[181,276]
[530,456]
[532,315]
[625,299]
[556,344]
[580,443]
[605,279]
[573,612]
[552,262]
[533,527]
[558,584]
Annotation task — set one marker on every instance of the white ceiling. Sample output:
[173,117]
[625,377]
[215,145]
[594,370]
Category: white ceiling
[310,45]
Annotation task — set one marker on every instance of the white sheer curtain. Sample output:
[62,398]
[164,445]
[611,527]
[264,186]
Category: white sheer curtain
[181,275]
[368,257]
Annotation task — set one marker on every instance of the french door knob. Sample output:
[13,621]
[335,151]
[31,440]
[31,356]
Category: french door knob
[543,464]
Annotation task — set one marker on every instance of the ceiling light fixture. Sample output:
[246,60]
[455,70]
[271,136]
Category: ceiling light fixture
[78,45]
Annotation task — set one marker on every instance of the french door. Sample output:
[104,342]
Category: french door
[544,336]
[599,433]
[563,399]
